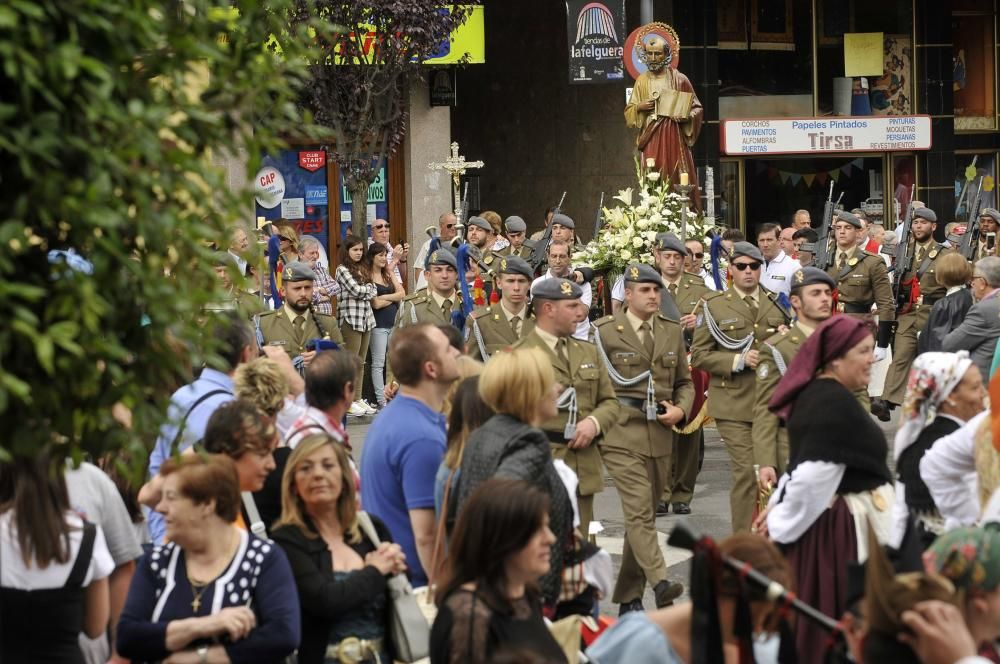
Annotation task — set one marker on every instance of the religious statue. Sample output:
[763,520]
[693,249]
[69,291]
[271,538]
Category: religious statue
[665,109]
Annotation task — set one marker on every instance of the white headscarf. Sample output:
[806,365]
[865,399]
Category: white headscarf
[933,377]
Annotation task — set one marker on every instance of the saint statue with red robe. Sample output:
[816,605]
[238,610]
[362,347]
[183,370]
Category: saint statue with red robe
[667,113]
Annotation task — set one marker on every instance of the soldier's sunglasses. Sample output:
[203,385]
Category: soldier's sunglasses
[746,266]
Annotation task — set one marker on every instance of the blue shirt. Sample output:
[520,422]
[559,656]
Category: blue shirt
[210,380]
[403,450]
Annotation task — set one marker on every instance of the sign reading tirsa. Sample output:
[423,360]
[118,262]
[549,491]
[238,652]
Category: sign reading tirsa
[596,36]
[812,135]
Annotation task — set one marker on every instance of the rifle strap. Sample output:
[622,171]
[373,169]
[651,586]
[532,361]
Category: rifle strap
[926,263]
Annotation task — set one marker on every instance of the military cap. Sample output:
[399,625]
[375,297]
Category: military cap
[638,273]
[441,256]
[223,259]
[479,222]
[748,250]
[298,271]
[515,224]
[810,276]
[991,213]
[925,213]
[670,242]
[516,265]
[563,221]
[556,288]
[848,218]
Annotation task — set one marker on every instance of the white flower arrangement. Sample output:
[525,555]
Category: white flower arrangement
[629,230]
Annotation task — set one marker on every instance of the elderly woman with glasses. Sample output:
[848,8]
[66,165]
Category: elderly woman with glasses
[944,391]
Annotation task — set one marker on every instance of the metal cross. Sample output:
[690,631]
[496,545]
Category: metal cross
[456,165]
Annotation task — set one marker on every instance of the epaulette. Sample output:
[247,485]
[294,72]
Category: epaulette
[419,295]
[268,313]
[776,337]
[600,322]
[665,319]
[479,313]
[714,294]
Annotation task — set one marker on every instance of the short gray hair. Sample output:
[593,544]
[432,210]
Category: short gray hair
[989,269]
[308,241]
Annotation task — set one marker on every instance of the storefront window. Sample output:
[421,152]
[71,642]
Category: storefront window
[975,178]
[890,93]
[727,211]
[765,64]
[974,58]
[904,173]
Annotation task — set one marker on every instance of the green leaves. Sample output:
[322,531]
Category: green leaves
[113,116]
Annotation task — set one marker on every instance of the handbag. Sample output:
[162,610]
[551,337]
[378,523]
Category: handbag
[409,631]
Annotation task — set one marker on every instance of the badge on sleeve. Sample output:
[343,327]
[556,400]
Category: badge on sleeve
[762,371]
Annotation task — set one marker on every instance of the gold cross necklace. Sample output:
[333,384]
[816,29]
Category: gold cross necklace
[197,590]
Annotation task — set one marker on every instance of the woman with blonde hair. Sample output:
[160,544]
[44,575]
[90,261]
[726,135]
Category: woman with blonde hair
[339,573]
[289,238]
[520,386]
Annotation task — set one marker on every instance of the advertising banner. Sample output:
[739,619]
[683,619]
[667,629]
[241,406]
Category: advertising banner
[816,135]
[596,36]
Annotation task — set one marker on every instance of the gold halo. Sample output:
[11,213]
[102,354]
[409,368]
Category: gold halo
[673,41]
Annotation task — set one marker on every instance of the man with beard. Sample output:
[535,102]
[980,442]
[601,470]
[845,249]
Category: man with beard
[295,323]
[516,229]
[989,218]
[588,405]
[500,325]
[480,235]
[812,300]
[921,283]
[728,342]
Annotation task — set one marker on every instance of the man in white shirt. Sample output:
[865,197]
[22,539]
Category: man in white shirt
[779,267]
[558,257]
[446,232]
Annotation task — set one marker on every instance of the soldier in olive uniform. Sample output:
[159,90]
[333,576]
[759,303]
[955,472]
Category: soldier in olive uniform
[861,277]
[564,229]
[519,246]
[687,291]
[588,405]
[246,304]
[435,303]
[812,299]
[913,317]
[500,325]
[731,330]
[296,323]
[647,361]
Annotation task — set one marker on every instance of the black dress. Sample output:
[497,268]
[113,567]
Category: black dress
[946,314]
[468,630]
[919,501]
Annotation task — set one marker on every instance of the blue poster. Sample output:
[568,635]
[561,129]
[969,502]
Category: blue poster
[297,192]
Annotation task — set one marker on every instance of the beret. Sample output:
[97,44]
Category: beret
[748,250]
[479,222]
[848,218]
[516,265]
[441,257]
[564,221]
[298,271]
[223,259]
[991,213]
[515,224]
[639,273]
[926,214]
[555,288]
[670,242]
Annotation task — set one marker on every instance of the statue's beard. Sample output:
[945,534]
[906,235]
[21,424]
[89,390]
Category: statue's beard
[656,67]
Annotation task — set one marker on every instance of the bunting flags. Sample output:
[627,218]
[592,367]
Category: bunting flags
[820,178]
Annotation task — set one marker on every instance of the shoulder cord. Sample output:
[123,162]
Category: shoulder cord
[727,342]
[479,340]
[567,401]
[779,361]
[260,333]
[621,381]
[413,313]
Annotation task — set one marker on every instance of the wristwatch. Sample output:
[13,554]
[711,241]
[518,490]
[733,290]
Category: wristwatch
[202,654]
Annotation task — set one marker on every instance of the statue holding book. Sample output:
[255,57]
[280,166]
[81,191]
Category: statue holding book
[665,109]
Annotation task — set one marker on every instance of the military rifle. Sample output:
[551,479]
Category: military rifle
[967,243]
[903,263]
[600,216]
[537,256]
[824,256]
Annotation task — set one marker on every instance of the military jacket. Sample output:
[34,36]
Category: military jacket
[275,329]
[524,252]
[671,379]
[487,331]
[775,356]
[930,290]
[690,291]
[420,307]
[595,397]
[862,282]
[731,396]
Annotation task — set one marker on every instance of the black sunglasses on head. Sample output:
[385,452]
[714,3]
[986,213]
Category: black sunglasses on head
[381,227]
[747,266]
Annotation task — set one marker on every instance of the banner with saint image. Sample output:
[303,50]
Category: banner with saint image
[596,35]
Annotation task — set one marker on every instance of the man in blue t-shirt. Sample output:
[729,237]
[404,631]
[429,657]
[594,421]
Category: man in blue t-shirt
[406,443]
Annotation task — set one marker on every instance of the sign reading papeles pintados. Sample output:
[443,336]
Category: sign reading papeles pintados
[812,135]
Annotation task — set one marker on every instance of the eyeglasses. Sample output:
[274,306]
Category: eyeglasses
[449,226]
[741,267]
[693,254]
[381,227]
[283,238]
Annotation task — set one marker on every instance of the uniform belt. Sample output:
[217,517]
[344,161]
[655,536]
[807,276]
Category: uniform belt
[638,404]
[853,308]
[556,437]
[353,650]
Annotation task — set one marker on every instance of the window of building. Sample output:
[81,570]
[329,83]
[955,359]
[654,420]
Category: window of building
[765,63]
[975,178]
[888,94]
[727,211]
[973,29]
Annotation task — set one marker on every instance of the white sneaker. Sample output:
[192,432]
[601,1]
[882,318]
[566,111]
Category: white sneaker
[371,408]
[357,409]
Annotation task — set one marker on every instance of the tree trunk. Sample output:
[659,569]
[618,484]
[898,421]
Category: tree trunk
[359,210]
